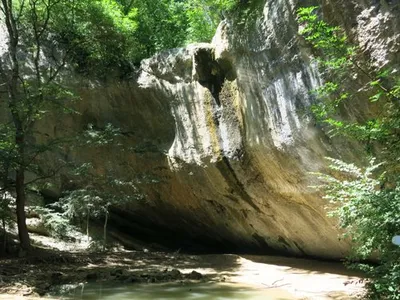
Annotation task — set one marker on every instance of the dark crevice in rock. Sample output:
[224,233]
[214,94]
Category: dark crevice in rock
[231,197]
[227,68]
[284,243]
[229,173]
[300,248]
[264,245]
[219,208]
[209,72]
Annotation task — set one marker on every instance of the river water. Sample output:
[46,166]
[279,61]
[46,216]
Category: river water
[198,291]
[237,277]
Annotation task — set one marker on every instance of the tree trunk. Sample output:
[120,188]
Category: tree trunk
[4,235]
[23,234]
[4,202]
[105,231]
[87,226]
[15,110]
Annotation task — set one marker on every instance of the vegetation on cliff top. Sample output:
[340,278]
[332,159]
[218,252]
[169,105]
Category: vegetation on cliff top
[114,34]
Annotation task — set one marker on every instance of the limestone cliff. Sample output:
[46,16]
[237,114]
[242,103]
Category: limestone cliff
[223,132]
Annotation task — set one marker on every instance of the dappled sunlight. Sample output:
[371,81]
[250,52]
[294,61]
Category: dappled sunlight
[204,291]
[231,277]
[128,274]
[209,291]
[236,277]
[315,280]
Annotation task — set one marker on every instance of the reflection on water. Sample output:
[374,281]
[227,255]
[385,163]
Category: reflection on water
[203,291]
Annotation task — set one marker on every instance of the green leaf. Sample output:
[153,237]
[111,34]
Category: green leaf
[376,97]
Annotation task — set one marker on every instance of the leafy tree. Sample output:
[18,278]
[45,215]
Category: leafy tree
[161,25]
[166,24]
[365,200]
[6,159]
[91,193]
[204,16]
[43,37]
[31,86]
[100,35]
[370,216]
[339,62]
[5,203]
[6,217]
[96,195]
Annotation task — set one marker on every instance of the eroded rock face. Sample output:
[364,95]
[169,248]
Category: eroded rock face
[222,132]
[244,146]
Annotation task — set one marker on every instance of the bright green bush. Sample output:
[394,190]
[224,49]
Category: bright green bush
[370,216]
[204,16]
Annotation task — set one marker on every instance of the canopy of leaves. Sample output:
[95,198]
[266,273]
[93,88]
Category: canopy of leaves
[99,33]
[106,36]
[165,24]
[203,17]
[116,34]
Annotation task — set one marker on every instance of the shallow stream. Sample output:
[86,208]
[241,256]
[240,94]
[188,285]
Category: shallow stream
[189,291]
[232,277]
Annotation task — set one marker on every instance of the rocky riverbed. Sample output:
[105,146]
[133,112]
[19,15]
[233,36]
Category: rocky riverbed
[47,272]
[39,274]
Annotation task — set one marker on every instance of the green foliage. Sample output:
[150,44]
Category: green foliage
[365,200]
[112,35]
[7,204]
[95,194]
[203,17]
[96,137]
[7,160]
[55,221]
[99,35]
[341,65]
[91,191]
[44,36]
[7,207]
[166,24]
[161,25]
[331,41]
[99,38]
[370,216]
[7,149]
